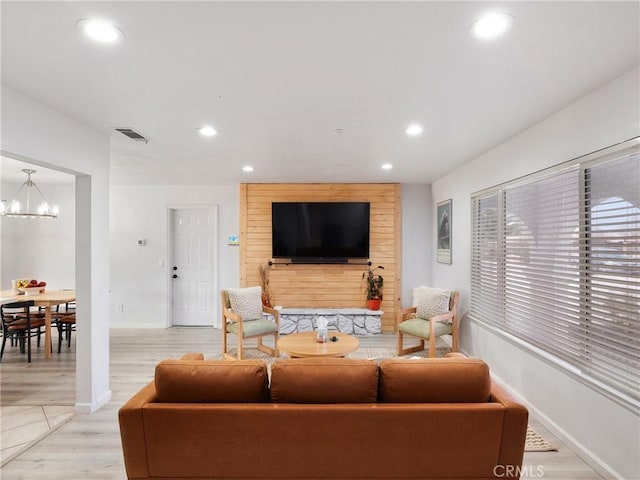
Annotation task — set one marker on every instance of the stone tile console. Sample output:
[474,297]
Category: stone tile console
[356,321]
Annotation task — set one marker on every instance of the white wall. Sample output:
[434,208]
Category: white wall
[141,286]
[137,281]
[42,249]
[600,427]
[36,134]
[417,217]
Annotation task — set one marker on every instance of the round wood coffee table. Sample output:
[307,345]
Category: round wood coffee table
[304,344]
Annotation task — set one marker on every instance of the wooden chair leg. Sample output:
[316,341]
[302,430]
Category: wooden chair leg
[267,349]
[406,351]
[239,347]
[224,338]
[276,352]
[454,337]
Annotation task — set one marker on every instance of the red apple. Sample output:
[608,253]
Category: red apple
[42,284]
[34,283]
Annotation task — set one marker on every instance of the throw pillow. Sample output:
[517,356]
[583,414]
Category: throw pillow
[246,302]
[430,302]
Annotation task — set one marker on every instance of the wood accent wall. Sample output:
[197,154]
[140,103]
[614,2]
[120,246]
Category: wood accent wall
[328,286]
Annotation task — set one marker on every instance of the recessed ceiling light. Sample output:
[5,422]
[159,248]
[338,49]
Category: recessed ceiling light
[247,168]
[414,130]
[100,31]
[386,166]
[491,25]
[207,131]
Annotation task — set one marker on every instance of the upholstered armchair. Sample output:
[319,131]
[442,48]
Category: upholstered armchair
[434,315]
[242,315]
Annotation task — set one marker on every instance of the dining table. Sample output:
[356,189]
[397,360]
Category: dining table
[47,300]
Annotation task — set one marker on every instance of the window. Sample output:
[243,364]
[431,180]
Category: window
[556,264]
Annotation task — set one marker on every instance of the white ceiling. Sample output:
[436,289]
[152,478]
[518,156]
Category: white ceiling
[11,172]
[276,80]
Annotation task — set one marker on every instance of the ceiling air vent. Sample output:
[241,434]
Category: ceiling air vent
[132,134]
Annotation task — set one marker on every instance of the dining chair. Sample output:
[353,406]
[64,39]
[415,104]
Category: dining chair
[65,321]
[12,314]
[17,322]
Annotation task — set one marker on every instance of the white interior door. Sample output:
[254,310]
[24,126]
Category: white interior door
[192,270]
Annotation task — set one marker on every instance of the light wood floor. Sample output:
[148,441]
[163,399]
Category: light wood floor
[88,446]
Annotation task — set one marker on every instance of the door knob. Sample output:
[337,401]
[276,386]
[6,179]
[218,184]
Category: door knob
[175,276]
[175,268]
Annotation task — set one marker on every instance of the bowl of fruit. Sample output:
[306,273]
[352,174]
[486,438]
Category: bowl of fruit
[31,287]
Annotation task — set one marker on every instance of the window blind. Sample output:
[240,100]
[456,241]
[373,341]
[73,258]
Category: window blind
[484,266]
[556,263]
[611,325]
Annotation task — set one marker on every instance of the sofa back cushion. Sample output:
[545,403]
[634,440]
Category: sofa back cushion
[211,381]
[434,380]
[324,380]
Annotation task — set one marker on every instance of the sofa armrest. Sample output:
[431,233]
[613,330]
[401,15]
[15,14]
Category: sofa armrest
[134,445]
[228,315]
[514,429]
[274,312]
[444,317]
[402,315]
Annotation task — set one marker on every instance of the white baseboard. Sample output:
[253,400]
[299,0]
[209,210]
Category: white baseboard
[155,325]
[135,325]
[92,407]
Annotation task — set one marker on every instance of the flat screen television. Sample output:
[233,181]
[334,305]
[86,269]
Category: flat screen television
[320,232]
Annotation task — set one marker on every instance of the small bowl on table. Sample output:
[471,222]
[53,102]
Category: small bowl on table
[32,290]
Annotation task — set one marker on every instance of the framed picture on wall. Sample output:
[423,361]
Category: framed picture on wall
[443,216]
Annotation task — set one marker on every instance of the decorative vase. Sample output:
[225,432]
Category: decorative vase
[374,303]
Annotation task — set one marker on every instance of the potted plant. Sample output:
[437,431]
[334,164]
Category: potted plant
[373,288]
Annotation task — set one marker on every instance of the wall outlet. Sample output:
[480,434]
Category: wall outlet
[120,307]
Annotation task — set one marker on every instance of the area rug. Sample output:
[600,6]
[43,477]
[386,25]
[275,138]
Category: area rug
[536,443]
[373,353]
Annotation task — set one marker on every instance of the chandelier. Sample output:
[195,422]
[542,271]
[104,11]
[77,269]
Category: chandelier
[23,206]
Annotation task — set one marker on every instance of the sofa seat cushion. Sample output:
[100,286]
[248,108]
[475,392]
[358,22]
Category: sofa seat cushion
[434,380]
[252,328]
[420,328]
[324,380]
[211,381]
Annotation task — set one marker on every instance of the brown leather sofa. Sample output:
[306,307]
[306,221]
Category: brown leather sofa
[436,418]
